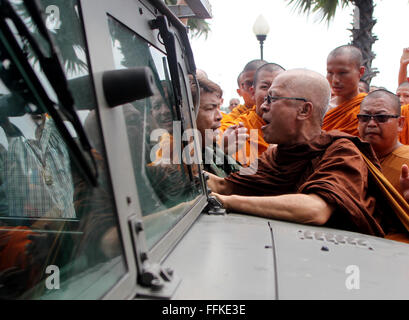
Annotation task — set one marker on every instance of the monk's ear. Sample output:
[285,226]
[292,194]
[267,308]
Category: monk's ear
[305,111]
[401,123]
[239,92]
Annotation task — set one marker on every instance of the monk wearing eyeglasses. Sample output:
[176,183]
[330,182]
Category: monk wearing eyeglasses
[311,176]
[344,71]
[380,123]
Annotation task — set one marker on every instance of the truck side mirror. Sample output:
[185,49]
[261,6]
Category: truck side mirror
[127,85]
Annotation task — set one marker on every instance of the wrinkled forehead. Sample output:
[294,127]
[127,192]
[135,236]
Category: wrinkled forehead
[403,89]
[283,84]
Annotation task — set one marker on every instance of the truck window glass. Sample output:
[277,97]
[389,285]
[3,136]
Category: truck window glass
[166,184]
[59,235]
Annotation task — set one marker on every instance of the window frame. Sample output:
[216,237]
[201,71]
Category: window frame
[135,15]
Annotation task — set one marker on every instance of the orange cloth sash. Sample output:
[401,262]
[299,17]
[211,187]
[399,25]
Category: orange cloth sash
[394,198]
[343,117]
[229,119]
[404,134]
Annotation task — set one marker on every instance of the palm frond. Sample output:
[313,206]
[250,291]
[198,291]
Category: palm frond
[326,9]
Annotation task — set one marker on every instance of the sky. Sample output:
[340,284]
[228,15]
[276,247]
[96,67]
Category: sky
[295,40]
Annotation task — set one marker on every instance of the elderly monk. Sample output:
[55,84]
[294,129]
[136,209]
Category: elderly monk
[311,176]
[344,71]
[244,82]
[253,120]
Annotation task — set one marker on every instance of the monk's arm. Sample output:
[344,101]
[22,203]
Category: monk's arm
[404,61]
[218,185]
[300,208]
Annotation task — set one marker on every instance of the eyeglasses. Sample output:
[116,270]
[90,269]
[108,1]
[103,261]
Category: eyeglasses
[379,118]
[269,99]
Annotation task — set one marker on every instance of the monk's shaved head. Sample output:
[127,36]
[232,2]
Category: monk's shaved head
[403,93]
[404,85]
[392,99]
[253,65]
[354,54]
[250,66]
[269,67]
[312,86]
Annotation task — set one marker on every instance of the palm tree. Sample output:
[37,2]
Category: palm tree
[362,36]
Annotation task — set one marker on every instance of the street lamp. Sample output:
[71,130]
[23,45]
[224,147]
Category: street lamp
[261,30]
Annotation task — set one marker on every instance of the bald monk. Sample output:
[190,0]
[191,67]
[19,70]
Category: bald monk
[312,176]
[233,103]
[253,120]
[244,82]
[380,123]
[344,71]
[403,67]
[363,86]
[403,93]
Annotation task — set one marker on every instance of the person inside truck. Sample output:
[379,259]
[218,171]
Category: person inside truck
[215,157]
[37,171]
[311,176]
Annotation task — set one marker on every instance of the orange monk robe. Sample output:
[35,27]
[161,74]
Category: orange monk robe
[256,144]
[343,117]
[392,165]
[404,134]
[229,118]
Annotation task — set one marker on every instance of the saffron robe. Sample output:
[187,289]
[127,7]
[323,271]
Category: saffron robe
[392,165]
[256,144]
[229,118]
[343,117]
[404,134]
[330,166]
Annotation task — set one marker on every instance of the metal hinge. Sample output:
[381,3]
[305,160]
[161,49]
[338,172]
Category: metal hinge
[214,206]
[153,280]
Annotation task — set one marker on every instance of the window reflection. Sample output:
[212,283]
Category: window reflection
[50,215]
[165,184]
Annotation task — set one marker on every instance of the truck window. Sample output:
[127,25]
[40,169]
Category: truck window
[166,179]
[59,234]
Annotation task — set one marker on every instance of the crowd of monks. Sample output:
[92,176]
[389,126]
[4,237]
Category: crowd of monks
[329,150]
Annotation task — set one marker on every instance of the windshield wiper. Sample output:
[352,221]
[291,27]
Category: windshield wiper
[52,69]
